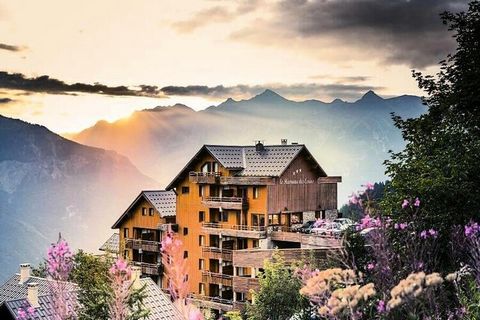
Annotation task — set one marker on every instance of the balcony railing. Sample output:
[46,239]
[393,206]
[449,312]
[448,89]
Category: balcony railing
[149,268]
[217,278]
[166,227]
[245,284]
[233,203]
[217,253]
[244,231]
[205,177]
[211,302]
[144,245]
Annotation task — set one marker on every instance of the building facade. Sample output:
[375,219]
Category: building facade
[235,204]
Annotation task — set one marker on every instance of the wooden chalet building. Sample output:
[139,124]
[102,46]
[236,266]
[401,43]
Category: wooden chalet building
[231,206]
[141,228]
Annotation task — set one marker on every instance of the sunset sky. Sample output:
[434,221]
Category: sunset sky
[200,52]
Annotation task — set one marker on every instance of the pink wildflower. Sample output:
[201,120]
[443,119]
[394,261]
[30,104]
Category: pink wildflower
[424,234]
[381,308]
[471,229]
[195,314]
[403,225]
[353,199]
[405,203]
[120,274]
[417,202]
[368,186]
[433,233]
[370,266]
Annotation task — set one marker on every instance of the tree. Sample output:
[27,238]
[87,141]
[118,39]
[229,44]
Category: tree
[440,163]
[279,295]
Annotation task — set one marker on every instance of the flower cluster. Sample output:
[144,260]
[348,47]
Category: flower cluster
[412,287]
[336,291]
[369,222]
[59,260]
[120,277]
[406,203]
[472,229]
[431,233]
[25,313]
[400,226]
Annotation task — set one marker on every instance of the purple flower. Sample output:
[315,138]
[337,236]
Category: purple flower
[433,233]
[405,203]
[424,234]
[353,199]
[403,225]
[368,186]
[371,266]
[381,308]
[471,229]
[417,202]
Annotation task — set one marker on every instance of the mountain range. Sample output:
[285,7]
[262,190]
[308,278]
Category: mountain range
[351,139]
[49,184]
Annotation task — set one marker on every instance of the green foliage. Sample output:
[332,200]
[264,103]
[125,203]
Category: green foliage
[279,295]
[40,270]
[91,274]
[233,315]
[440,161]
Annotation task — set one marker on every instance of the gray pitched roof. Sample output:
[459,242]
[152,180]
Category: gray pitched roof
[45,310]
[158,302]
[165,202]
[272,161]
[12,290]
[112,244]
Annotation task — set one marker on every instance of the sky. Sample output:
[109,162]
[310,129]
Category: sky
[68,64]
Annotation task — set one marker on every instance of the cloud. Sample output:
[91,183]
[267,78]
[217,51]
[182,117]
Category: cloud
[216,14]
[5,100]
[294,91]
[45,84]
[9,47]
[395,31]
[340,79]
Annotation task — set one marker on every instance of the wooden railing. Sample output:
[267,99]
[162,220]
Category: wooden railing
[145,245]
[256,257]
[245,284]
[217,278]
[211,302]
[256,232]
[149,268]
[166,227]
[205,177]
[217,253]
[233,203]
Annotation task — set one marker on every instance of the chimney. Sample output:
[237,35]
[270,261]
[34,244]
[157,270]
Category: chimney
[259,146]
[135,277]
[284,142]
[24,272]
[32,294]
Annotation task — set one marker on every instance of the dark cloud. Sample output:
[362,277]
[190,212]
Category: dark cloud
[46,84]
[407,31]
[299,91]
[5,100]
[9,47]
[341,79]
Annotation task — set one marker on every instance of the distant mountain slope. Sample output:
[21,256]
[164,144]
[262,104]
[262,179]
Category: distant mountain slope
[49,184]
[348,139]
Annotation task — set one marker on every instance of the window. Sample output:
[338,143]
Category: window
[274,219]
[200,190]
[144,211]
[201,288]
[185,190]
[215,166]
[256,243]
[185,254]
[201,264]
[125,254]
[206,167]
[201,216]
[255,192]
[125,232]
[258,220]
[150,212]
[185,231]
[225,216]
[201,240]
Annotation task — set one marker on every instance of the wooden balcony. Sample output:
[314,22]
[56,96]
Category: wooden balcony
[217,278]
[310,240]
[144,245]
[166,227]
[217,253]
[149,268]
[244,284]
[205,177]
[211,302]
[256,257]
[241,231]
[228,203]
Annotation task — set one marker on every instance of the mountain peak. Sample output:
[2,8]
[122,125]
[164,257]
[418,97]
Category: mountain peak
[268,96]
[370,96]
